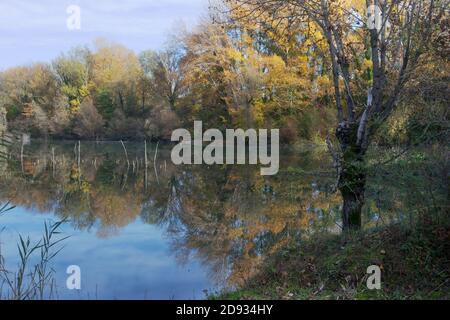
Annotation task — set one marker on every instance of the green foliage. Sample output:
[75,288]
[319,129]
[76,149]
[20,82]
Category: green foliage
[105,104]
[12,112]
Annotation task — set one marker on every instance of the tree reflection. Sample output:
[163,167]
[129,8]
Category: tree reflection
[227,217]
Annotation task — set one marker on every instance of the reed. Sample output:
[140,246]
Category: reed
[34,277]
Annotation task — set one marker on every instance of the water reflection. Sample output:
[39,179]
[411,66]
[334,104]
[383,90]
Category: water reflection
[215,220]
[227,218]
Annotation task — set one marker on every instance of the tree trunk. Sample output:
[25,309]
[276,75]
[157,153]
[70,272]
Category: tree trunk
[352,177]
[352,186]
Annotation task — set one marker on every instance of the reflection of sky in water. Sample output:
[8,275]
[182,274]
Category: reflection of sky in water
[135,263]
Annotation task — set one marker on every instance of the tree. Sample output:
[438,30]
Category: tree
[161,123]
[73,72]
[116,74]
[222,66]
[89,122]
[149,61]
[28,94]
[167,73]
[394,44]
[61,119]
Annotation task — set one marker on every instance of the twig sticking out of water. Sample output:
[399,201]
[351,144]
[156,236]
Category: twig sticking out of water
[126,153]
[154,162]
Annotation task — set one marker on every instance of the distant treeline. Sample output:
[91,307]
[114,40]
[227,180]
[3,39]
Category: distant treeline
[227,75]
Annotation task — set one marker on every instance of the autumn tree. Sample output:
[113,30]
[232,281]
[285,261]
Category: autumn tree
[28,94]
[248,85]
[162,86]
[116,72]
[149,62]
[89,122]
[396,37]
[73,71]
[167,73]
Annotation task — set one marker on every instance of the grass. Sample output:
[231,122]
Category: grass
[34,278]
[415,264]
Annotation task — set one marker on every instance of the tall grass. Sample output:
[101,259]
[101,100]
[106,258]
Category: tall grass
[5,208]
[34,277]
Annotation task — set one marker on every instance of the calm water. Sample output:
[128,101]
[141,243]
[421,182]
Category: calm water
[165,232]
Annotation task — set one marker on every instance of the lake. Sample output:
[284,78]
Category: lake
[160,231]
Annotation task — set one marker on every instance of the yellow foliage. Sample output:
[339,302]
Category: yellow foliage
[367,64]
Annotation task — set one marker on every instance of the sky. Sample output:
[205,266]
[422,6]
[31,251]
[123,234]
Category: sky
[37,31]
[134,262]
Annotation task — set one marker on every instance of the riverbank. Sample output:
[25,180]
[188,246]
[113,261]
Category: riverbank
[414,262]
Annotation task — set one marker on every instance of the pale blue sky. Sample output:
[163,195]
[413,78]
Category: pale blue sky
[35,31]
